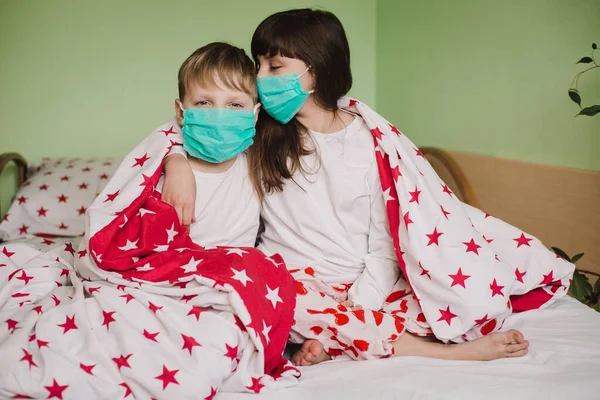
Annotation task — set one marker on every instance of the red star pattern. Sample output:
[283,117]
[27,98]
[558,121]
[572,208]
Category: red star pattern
[141,161]
[69,248]
[496,289]
[212,394]
[43,188]
[68,324]
[153,307]
[168,377]
[472,246]
[151,336]
[407,220]
[523,241]
[56,390]
[377,133]
[108,318]
[127,389]
[22,200]
[29,358]
[394,129]
[196,311]
[446,213]
[168,132]
[433,237]
[414,196]
[459,278]
[122,361]
[87,368]
[548,278]
[127,297]
[7,253]
[112,196]
[424,271]
[446,315]
[256,385]
[188,343]
[164,268]
[232,352]
[24,277]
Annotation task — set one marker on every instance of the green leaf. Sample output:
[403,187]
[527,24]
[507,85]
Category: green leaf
[590,111]
[580,287]
[574,95]
[577,257]
[561,253]
[597,286]
[597,307]
[594,46]
[585,60]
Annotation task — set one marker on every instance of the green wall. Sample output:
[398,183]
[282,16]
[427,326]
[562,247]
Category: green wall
[92,78]
[491,77]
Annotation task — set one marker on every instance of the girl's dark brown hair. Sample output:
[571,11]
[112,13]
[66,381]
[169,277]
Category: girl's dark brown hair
[317,38]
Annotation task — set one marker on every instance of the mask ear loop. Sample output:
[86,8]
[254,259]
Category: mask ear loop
[256,108]
[180,105]
[300,76]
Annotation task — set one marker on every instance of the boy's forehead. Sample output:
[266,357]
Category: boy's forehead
[216,88]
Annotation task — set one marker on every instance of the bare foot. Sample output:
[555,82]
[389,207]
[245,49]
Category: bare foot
[310,353]
[495,345]
[490,347]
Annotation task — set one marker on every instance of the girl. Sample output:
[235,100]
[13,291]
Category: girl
[323,205]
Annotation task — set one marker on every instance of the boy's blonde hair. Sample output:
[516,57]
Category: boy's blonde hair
[229,64]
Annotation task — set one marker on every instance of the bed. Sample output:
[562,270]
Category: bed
[564,358]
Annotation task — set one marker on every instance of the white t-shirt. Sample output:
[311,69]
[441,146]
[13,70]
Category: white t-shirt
[227,207]
[334,218]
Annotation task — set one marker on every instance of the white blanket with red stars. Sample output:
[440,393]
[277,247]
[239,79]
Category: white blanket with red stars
[138,310]
[468,270]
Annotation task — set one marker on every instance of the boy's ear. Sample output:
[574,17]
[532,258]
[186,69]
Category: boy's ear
[178,111]
[256,112]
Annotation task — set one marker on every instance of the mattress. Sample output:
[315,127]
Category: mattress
[563,363]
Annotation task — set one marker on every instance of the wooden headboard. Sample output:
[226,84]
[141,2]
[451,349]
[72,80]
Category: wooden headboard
[560,206]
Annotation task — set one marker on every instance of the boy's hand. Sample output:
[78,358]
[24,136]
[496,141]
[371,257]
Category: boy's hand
[179,188]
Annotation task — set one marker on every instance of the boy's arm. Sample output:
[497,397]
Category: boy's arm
[179,188]
[381,265]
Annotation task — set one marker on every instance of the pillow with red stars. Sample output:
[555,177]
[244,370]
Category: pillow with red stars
[55,196]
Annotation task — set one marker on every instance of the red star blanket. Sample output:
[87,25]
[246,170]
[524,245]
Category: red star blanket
[138,309]
[464,271]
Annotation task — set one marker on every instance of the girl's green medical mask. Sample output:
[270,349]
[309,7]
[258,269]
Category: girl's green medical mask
[282,96]
[216,135]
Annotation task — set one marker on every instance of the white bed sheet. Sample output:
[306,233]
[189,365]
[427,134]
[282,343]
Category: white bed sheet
[563,363]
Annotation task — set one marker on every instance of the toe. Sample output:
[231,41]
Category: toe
[513,348]
[519,353]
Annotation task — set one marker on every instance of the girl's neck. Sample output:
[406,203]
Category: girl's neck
[317,119]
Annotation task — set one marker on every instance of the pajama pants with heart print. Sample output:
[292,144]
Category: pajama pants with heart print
[357,334]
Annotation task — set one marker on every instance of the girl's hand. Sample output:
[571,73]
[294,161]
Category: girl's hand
[179,188]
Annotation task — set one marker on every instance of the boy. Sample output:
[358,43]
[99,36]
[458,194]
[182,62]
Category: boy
[217,110]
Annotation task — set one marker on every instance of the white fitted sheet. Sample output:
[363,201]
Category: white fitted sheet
[563,363]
